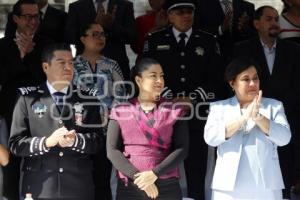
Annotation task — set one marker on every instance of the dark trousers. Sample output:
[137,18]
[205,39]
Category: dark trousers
[168,189]
[11,177]
[195,166]
[102,175]
[286,159]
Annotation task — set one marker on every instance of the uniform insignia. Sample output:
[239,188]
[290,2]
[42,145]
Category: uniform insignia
[27,90]
[197,36]
[41,91]
[90,91]
[163,47]
[78,107]
[146,46]
[167,35]
[199,51]
[39,109]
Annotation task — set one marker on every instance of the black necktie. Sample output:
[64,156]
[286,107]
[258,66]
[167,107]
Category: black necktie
[59,100]
[41,14]
[181,42]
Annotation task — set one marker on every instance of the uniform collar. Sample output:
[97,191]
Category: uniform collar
[176,32]
[53,90]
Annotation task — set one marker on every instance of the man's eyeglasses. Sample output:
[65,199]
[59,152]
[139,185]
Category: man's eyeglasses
[29,17]
[97,34]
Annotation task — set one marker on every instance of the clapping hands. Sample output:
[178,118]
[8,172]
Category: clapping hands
[24,43]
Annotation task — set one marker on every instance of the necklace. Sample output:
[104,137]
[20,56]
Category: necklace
[146,109]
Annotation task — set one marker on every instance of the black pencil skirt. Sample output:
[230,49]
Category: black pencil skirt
[168,189]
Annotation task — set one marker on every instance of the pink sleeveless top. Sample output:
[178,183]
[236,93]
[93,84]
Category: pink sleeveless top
[138,149]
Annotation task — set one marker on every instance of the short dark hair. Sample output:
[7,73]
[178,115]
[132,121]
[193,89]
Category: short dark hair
[86,27]
[141,66]
[17,7]
[48,52]
[260,11]
[238,65]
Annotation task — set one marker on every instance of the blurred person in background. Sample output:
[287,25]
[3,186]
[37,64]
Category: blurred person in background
[153,20]
[93,71]
[289,21]
[116,18]
[52,22]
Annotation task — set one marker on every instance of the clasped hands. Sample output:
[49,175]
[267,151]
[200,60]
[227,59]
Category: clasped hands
[145,181]
[61,137]
[252,111]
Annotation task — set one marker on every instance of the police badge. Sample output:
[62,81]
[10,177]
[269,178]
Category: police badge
[199,51]
[39,109]
[78,107]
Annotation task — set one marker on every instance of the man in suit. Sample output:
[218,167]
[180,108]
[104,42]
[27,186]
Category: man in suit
[279,79]
[20,62]
[190,62]
[56,129]
[117,19]
[52,22]
[229,20]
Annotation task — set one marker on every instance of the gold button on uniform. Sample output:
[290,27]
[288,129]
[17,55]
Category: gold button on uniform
[61,170]
[61,154]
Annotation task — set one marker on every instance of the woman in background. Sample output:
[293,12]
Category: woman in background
[99,74]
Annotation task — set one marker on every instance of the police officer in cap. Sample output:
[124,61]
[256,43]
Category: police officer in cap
[56,131]
[191,64]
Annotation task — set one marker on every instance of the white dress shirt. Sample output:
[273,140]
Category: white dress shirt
[176,34]
[105,5]
[270,55]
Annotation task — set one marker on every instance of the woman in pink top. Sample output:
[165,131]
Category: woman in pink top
[146,141]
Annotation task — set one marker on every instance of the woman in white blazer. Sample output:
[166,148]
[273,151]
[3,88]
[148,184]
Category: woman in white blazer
[247,130]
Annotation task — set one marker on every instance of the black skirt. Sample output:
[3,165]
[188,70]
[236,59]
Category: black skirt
[168,189]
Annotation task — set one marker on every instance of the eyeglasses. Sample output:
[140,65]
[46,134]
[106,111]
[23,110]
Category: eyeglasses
[29,17]
[97,34]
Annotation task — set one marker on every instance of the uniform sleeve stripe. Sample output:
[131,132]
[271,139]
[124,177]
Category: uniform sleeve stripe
[76,141]
[32,144]
[83,140]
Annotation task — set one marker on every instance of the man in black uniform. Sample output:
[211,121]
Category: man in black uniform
[191,64]
[56,130]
